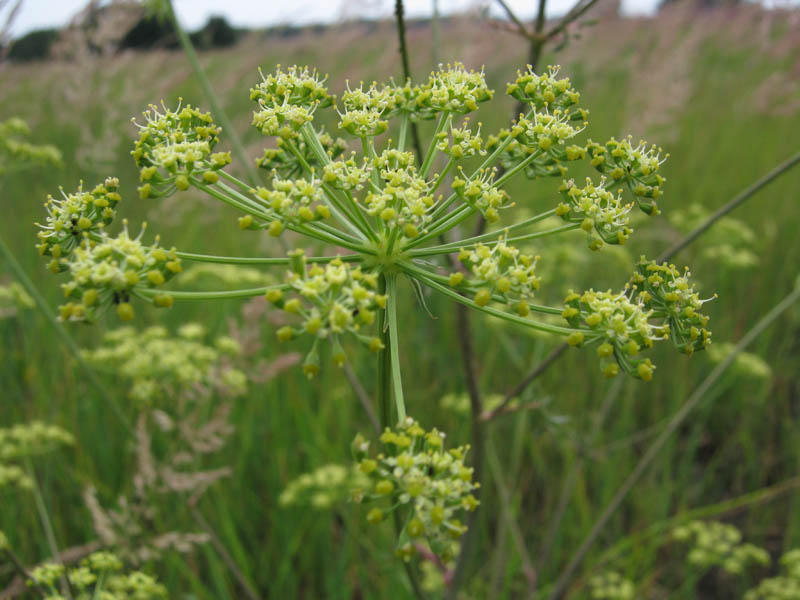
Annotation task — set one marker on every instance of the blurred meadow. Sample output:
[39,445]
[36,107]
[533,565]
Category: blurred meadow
[718,87]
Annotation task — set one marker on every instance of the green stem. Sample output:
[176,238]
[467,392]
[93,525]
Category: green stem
[339,211]
[249,206]
[466,286]
[384,362]
[216,295]
[444,119]
[403,134]
[211,96]
[422,275]
[451,220]
[248,260]
[488,241]
[394,346]
[450,164]
[516,169]
[44,517]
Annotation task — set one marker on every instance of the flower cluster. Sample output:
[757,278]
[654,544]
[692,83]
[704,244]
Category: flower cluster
[13,298]
[499,269]
[296,86]
[289,202]
[31,439]
[621,326]
[98,576]
[331,300]
[324,487]
[405,201]
[478,192]
[636,167]
[611,586]
[545,90]
[23,441]
[158,364]
[716,544]
[453,89]
[72,218]
[347,174]
[175,146]
[783,587]
[386,207]
[460,142]
[416,471]
[108,271]
[601,213]
[667,292]
[546,131]
[17,152]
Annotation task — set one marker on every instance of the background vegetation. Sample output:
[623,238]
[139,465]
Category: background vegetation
[718,89]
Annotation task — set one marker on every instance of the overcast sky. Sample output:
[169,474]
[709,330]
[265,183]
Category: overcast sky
[36,14]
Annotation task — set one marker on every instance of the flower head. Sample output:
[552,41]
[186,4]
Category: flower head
[668,292]
[416,471]
[109,271]
[453,89]
[634,166]
[175,146]
[599,211]
[75,215]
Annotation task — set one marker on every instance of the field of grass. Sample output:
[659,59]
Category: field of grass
[718,90]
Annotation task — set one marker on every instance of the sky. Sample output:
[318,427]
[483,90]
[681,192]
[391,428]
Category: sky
[38,14]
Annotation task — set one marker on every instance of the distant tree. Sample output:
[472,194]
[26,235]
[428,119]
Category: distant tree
[150,32]
[216,33]
[33,46]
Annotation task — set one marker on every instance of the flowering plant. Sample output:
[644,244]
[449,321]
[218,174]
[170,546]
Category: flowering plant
[386,213]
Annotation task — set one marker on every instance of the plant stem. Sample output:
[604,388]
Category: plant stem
[363,397]
[691,403]
[394,346]
[224,554]
[44,518]
[211,96]
[255,260]
[215,295]
[731,205]
[402,48]
[554,354]
[430,154]
[477,434]
[422,275]
[448,248]
[384,362]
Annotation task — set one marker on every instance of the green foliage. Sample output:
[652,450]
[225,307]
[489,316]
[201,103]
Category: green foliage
[33,46]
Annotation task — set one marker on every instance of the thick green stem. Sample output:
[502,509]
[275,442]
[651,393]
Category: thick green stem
[384,362]
[394,346]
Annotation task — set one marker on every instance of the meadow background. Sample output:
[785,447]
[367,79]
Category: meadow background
[717,87]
